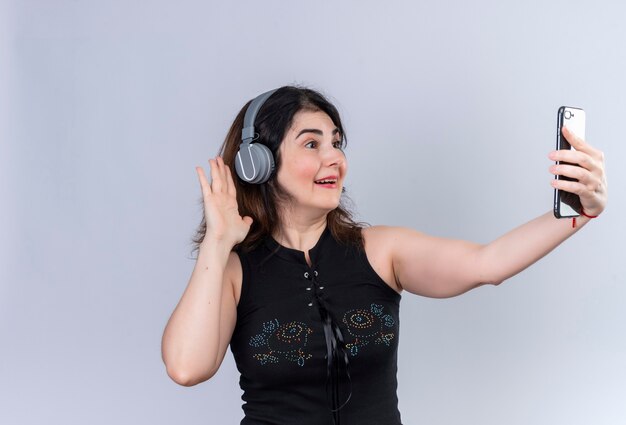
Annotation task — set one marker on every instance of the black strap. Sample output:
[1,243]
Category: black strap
[334,348]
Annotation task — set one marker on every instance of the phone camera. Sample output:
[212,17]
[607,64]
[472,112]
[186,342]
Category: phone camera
[568,115]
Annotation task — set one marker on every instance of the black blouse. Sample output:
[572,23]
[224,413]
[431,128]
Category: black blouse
[316,345]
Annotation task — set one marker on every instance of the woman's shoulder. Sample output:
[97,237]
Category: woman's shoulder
[379,240]
[384,236]
[388,235]
[378,244]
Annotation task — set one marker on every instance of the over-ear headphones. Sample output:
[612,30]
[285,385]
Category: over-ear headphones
[254,162]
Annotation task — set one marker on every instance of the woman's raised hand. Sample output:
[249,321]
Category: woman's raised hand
[221,212]
[591,185]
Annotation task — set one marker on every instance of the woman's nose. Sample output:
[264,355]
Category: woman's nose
[333,156]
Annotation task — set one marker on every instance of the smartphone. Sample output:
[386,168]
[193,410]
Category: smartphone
[567,204]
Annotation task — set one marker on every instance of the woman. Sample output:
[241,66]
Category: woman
[307,298]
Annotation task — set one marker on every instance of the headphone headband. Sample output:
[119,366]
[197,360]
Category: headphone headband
[247,133]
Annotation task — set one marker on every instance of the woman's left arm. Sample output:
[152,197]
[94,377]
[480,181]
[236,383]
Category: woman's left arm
[445,268]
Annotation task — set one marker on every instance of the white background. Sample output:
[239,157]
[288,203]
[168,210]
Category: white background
[450,109]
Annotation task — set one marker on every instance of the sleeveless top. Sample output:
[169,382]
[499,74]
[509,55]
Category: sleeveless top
[316,345]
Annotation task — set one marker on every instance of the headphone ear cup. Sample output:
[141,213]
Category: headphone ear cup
[254,163]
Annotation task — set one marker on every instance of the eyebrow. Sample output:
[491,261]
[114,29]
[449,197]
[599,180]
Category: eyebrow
[315,131]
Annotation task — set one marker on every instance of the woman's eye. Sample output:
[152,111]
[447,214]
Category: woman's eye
[337,144]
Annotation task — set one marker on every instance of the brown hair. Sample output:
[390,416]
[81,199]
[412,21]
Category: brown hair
[259,201]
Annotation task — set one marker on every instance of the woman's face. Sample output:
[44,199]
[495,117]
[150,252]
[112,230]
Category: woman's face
[313,166]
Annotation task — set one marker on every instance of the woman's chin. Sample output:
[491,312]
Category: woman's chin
[326,206]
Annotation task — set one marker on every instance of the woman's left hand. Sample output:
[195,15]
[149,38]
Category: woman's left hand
[591,185]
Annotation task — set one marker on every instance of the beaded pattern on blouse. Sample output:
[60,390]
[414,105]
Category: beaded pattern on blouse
[366,326]
[287,341]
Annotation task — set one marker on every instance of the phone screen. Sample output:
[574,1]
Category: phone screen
[567,204]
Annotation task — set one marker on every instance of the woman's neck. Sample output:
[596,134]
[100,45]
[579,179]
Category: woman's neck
[301,235]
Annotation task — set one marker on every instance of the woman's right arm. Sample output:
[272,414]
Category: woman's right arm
[198,332]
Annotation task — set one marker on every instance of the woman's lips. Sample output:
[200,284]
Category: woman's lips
[327,185]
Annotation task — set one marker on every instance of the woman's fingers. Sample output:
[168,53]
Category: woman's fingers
[576,157]
[585,164]
[230,184]
[583,153]
[580,144]
[571,171]
[220,204]
[222,168]
[569,186]
[204,183]
[591,182]
[221,179]
[576,142]
[216,181]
